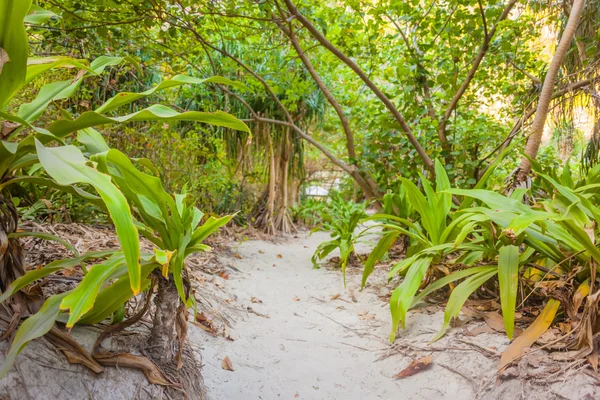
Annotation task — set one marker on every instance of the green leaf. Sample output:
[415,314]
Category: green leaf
[156,112]
[380,250]
[38,15]
[100,63]
[114,296]
[38,65]
[45,236]
[460,294]
[82,298]
[34,327]
[48,93]
[421,205]
[51,183]
[54,266]
[14,47]
[127,97]
[210,226]
[508,278]
[92,140]
[402,296]
[440,283]
[68,166]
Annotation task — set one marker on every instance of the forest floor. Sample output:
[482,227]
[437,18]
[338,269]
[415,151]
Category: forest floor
[306,337]
[271,327]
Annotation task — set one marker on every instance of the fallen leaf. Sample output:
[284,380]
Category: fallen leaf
[73,351]
[151,371]
[279,256]
[224,275]
[479,330]
[255,300]
[531,334]
[261,251]
[296,298]
[238,255]
[415,367]
[226,364]
[335,297]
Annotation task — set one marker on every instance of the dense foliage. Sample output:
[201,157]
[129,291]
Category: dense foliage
[139,113]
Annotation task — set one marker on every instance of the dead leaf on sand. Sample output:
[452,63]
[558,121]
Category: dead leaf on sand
[335,297]
[226,364]
[296,298]
[261,251]
[224,275]
[415,367]
[255,300]
[279,256]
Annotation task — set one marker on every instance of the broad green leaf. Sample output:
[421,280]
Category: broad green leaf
[402,296]
[54,266]
[508,278]
[481,184]
[8,150]
[127,97]
[82,298]
[442,183]
[45,236]
[34,327]
[102,62]
[156,112]
[147,193]
[92,140]
[323,250]
[14,47]
[440,283]
[38,15]
[421,205]
[380,250]
[460,294]
[74,190]
[114,296]
[68,166]
[493,200]
[48,93]
[206,229]
[38,65]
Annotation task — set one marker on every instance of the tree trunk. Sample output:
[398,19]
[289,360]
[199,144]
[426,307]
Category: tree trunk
[163,336]
[537,127]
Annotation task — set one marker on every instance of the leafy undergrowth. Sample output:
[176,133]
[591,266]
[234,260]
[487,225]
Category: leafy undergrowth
[531,257]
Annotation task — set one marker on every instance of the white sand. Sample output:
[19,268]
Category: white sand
[312,347]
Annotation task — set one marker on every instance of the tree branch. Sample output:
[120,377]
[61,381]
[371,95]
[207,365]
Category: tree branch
[328,95]
[384,99]
[476,63]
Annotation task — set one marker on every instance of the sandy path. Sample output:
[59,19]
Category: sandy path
[312,347]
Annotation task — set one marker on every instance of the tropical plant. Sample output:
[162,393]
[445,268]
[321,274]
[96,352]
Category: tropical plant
[135,201]
[310,211]
[340,219]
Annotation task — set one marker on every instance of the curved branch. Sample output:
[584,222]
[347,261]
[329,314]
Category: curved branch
[328,95]
[476,63]
[363,76]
